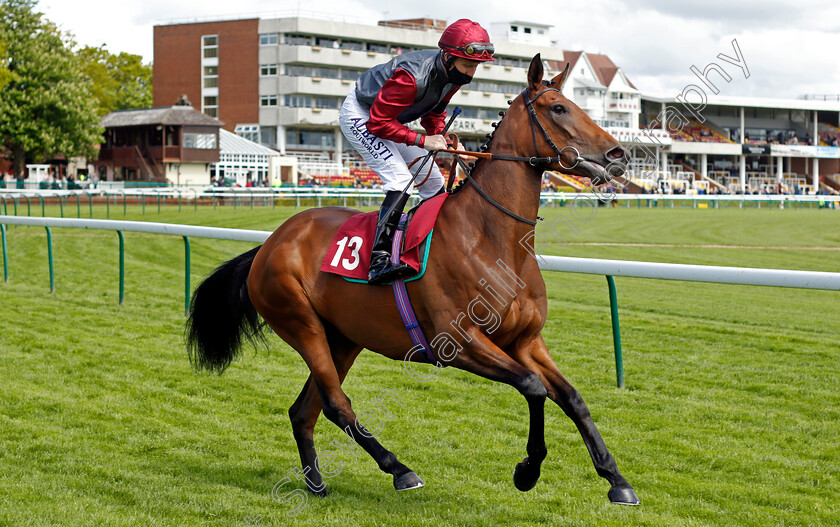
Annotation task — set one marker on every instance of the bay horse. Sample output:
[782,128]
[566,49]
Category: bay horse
[328,320]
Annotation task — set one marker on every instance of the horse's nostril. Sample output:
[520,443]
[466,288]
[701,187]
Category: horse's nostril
[616,153]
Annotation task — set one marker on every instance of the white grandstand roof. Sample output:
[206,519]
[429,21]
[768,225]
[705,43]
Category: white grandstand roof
[524,23]
[752,102]
[231,143]
[583,82]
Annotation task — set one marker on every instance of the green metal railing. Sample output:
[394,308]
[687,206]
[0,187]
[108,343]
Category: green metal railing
[616,331]
[52,267]
[122,266]
[185,231]
[5,255]
[608,268]
[186,275]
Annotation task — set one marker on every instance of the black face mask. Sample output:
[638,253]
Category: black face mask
[454,76]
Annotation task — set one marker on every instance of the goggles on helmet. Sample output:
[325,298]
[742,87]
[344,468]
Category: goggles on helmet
[475,49]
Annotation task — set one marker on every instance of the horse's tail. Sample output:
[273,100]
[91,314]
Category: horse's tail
[221,313]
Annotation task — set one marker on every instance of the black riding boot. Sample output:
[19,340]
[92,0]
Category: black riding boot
[381,268]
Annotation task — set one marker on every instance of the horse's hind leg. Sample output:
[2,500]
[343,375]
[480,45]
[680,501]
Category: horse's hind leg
[303,330]
[305,411]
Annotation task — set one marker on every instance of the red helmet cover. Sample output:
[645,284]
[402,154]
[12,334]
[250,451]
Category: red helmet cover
[462,32]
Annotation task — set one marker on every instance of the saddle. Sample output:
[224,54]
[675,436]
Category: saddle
[349,253]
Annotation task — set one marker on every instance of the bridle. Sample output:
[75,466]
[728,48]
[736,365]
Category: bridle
[534,161]
[535,123]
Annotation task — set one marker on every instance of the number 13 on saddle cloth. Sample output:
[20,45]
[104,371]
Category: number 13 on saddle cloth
[349,253]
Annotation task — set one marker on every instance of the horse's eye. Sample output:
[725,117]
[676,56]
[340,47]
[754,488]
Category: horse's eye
[558,109]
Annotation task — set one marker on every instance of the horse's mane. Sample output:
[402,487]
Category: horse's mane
[485,147]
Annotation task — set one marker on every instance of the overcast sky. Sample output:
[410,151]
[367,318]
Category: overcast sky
[790,47]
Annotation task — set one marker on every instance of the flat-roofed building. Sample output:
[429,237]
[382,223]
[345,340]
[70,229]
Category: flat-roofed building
[281,81]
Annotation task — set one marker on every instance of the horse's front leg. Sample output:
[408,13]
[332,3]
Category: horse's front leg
[564,394]
[483,358]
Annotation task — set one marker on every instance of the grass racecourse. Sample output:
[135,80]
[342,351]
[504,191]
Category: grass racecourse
[731,415]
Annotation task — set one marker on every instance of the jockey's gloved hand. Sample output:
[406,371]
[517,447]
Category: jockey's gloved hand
[435,142]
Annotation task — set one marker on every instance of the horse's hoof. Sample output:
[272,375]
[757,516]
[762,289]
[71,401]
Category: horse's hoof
[525,478]
[623,496]
[322,493]
[408,481]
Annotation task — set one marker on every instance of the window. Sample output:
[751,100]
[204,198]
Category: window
[508,61]
[353,45]
[210,46]
[314,71]
[310,140]
[480,113]
[514,28]
[200,141]
[268,39]
[250,132]
[298,71]
[350,75]
[307,101]
[298,101]
[268,100]
[326,42]
[210,84]
[527,30]
[495,87]
[326,102]
[268,70]
[268,136]
[298,40]
[326,73]
[377,48]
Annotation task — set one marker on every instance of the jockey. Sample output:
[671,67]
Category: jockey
[415,85]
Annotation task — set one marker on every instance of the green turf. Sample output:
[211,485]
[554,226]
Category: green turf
[731,415]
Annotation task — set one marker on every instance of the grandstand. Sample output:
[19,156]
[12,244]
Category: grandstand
[300,68]
[742,145]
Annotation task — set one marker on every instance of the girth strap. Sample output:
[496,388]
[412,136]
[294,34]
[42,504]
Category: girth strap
[404,303]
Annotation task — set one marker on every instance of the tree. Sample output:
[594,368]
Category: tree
[46,108]
[118,82]
[6,76]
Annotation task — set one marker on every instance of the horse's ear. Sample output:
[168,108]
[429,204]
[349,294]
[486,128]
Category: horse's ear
[560,79]
[535,72]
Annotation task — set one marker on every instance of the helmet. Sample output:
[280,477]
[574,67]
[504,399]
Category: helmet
[468,40]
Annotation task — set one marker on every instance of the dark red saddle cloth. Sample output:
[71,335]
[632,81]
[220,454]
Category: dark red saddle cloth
[349,252]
